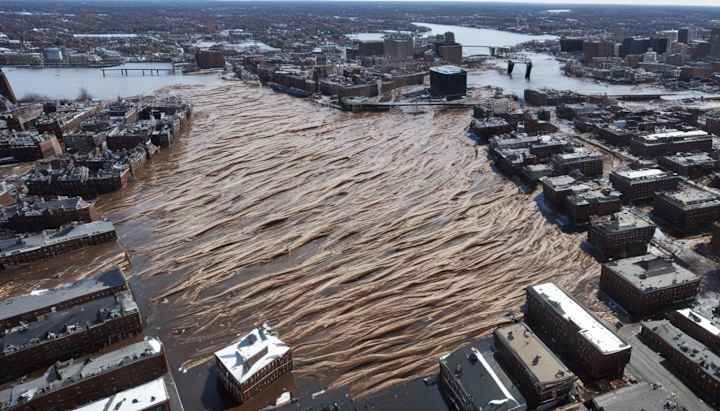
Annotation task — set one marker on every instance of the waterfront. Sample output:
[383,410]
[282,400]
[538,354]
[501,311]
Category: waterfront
[374,242]
[66,83]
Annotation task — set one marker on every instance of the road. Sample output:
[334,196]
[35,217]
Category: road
[645,365]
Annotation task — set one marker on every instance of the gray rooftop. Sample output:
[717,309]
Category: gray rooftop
[689,197]
[39,299]
[70,372]
[474,367]
[621,221]
[70,232]
[649,273]
[688,347]
[58,324]
[637,397]
[690,159]
[642,175]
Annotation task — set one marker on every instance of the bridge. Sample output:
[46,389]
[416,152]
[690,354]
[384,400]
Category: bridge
[152,71]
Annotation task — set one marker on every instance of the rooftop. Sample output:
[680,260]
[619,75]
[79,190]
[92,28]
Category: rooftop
[38,299]
[70,372]
[139,398]
[589,327]
[689,159]
[688,347]
[642,174]
[320,401]
[475,368]
[674,135]
[649,273]
[252,353]
[537,358]
[621,221]
[637,397]
[447,70]
[52,237]
[687,196]
[700,321]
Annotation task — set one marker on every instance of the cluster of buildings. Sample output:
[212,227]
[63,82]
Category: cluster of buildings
[79,346]
[686,55]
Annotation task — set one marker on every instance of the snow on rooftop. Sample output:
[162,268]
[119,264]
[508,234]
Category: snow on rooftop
[700,320]
[671,134]
[252,353]
[590,328]
[138,398]
[648,172]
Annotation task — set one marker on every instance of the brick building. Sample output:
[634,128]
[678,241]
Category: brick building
[37,214]
[697,327]
[557,189]
[646,284]
[71,384]
[642,184]
[27,308]
[471,379]
[695,363]
[208,59]
[620,235]
[49,243]
[589,163]
[671,142]
[636,397]
[581,206]
[691,165]
[251,364]
[569,329]
[688,209]
[544,380]
[62,335]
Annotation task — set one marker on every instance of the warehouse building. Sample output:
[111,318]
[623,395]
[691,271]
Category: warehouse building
[589,163]
[568,328]
[544,380]
[471,379]
[691,165]
[642,184]
[620,235]
[671,142]
[688,209]
[72,384]
[557,189]
[254,362]
[696,364]
[646,284]
[636,397]
[698,327]
[581,206]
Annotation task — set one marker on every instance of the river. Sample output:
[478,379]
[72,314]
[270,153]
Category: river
[66,83]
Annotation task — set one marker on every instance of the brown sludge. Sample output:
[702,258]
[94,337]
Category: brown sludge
[375,243]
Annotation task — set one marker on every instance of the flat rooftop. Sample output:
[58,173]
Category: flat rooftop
[688,347]
[415,395]
[689,197]
[578,155]
[590,328]
[558,181]
[674,135]
[690,159]
[636,397]
[45,298]
[58,324]
[535,356]
[649,273]
[70,372]
[643,174]
[51,237]
[621,221]
[252,353]
[593,196]
[447,70]
[336,400]
[138,398]
[701,321]
[475,368]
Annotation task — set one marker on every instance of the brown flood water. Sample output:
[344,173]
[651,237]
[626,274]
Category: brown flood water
[373,242]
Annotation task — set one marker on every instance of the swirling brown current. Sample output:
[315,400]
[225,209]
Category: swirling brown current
[373,242]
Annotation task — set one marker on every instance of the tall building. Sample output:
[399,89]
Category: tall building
[399,47]
[207,59]
[6,89]
[684,35]
[634,45]
[448,81]
[593,49]
[715,42]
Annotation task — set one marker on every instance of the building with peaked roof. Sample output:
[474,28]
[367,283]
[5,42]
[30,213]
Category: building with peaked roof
[252,363]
